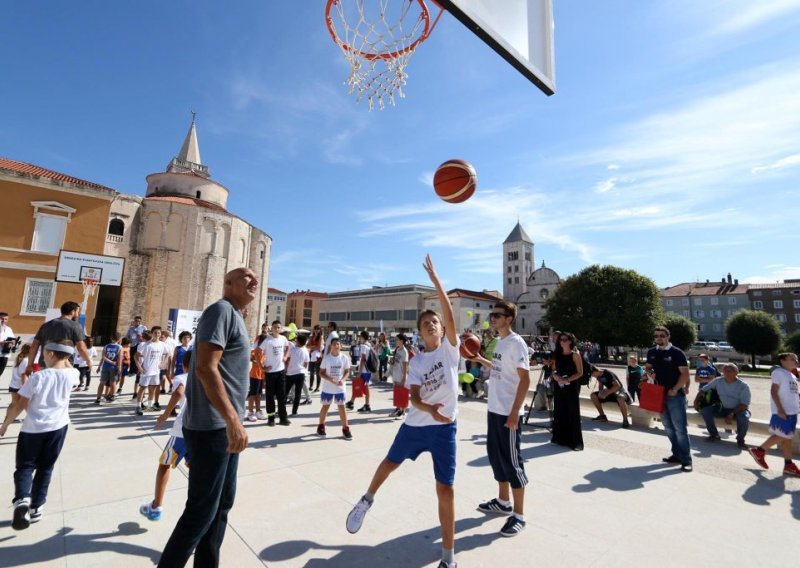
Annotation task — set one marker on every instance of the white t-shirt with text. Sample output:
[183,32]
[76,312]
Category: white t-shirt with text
[787,391]
[436,373]
[48,393]
[273,348]
[151,355]
[510,354]
[335,367]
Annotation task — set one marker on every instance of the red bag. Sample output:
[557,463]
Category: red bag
[359,388]
[400,396]
[652,397]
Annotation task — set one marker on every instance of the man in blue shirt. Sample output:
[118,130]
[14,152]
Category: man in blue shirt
[734,397]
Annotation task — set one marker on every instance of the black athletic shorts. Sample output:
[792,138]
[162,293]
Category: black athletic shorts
[503,448]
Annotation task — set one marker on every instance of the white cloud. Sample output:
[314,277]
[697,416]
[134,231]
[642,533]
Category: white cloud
[747,15]
[637,212]
[606,185]
[775,274]
[788,161]
[613,166]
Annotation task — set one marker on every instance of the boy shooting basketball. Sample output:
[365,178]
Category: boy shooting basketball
[430,423]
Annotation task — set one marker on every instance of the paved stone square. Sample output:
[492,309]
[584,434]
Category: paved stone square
[614,504]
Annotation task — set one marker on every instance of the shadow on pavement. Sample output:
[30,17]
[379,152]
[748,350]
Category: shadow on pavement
[415,550]
[54,547]
[625,478]
[766,489]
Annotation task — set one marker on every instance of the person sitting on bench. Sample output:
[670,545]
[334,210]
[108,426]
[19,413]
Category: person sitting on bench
[609,389]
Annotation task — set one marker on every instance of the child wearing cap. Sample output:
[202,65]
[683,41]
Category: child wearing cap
[45,397]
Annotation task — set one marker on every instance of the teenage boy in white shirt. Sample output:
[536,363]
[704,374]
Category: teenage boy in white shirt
[149,359]
[276,354]
[430,423]
[510,379]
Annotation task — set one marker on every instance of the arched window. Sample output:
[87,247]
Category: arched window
[116,227]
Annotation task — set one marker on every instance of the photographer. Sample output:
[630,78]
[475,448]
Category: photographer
[8,343]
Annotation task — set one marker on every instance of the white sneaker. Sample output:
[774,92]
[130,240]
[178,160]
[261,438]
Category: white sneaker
[251,417]
[356,517]
[260,415]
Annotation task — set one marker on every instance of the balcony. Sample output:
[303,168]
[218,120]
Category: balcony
[114,238]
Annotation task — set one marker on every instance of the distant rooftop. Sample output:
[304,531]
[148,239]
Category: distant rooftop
[518,234]
[382,291]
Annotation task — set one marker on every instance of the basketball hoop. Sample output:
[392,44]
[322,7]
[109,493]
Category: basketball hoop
[377,44]
[89,286]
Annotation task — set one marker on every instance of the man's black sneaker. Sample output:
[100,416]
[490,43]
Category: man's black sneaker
[600,418]
[626,424]
[321,430]
[347,434]
[97,402]
[349,406]
[365,408]
[284,423]
[156,406]
[271,421]
[22,516]
[512,527]
[671,459]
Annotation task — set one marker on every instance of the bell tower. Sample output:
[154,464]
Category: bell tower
[517,263]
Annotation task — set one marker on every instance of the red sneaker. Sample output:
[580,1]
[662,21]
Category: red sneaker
[758,455]
[791,469]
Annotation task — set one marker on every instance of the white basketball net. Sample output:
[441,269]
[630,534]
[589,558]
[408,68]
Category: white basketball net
[89,287]
[378,37]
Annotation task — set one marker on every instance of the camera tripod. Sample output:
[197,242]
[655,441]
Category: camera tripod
[543,389]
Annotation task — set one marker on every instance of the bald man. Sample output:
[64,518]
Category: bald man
[216,390]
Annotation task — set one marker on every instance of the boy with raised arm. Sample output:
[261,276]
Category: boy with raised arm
[430,423]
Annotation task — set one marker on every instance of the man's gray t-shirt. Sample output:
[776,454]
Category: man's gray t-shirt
[56,330]
[220,324]
[730,395]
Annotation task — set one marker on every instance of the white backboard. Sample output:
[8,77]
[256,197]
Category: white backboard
[521,31]
[75,266]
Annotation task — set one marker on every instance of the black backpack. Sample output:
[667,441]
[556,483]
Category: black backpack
[372,361]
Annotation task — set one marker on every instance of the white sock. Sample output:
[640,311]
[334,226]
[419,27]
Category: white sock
[520,517]
[448,555]
[504,503]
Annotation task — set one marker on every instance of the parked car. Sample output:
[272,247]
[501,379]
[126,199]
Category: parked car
[705,346]
[725,346]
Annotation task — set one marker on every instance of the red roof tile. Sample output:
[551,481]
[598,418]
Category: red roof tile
[35,171]
[275,291]
[187,201]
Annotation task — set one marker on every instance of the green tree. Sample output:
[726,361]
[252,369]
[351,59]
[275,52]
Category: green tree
[753,332]
[792,343]
[607,304]
[682,332]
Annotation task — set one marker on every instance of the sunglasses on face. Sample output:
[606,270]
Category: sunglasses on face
[498,315]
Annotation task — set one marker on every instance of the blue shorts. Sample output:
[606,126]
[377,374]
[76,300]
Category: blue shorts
[174,452]
[439,440]
[326,398]
[366,377]
[783,428]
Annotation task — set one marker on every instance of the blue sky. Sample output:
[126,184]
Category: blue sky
[672,144]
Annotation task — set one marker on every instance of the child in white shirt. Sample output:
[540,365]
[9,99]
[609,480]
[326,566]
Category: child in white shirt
[45,397]
[334,371]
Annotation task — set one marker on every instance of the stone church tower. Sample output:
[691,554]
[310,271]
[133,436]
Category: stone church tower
[517,263]
[180,240]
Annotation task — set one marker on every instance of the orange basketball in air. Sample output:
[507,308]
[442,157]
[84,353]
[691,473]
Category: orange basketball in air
[454,181]
[470,345]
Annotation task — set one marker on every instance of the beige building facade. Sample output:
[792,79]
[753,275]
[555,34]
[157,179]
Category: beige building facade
[394,307]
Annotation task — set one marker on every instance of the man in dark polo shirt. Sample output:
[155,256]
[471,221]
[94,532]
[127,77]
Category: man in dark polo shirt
[58,329]
[216,389]
[672,372]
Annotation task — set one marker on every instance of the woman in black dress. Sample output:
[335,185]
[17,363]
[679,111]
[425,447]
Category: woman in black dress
[566,405]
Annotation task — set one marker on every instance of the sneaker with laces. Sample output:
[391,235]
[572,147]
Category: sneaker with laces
[495,506]
[356,517]
[346,433]
[251,417]
[365,408]
[36,514]
[791,469]
[321,430]
[260,415]
[759,455]
[512,527]
[149,512]
[22,514]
